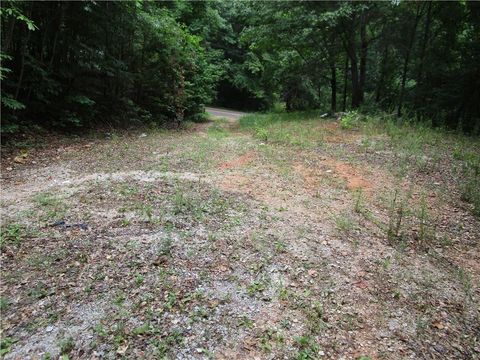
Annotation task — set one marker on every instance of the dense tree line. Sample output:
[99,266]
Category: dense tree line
[68,64]
[419,60]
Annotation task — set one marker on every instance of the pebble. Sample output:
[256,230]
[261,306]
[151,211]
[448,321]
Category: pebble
[393,325]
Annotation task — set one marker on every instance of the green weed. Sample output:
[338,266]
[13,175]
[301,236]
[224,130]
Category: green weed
[6,345]
[426,231]
[345,223]
[255,287]
[245,322]
[284,128]
[217,132]
[66,345]
[471,178]
[395,217]
[349,120]
[139,279]
[4,303]
[53,206]
[12,234]
[308,349]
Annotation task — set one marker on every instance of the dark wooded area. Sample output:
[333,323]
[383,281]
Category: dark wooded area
[70,64]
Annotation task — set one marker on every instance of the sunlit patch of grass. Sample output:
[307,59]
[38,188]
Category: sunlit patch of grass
[11,234]
[294,129]
[345,223]
[52,206]
[217,131]
[470,168]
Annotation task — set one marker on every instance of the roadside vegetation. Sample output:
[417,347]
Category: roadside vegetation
[412,147]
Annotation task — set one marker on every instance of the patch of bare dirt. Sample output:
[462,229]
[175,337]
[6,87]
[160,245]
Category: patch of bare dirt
[350,174]
[354,178]
[242,160]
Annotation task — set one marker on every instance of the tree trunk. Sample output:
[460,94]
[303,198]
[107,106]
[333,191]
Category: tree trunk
[333,86]
[363,54]
[24,49]
[8,41]
[419,97]
[407,60]
[61,21]
[356,93]
[352,53]
[383,70]
[345,81]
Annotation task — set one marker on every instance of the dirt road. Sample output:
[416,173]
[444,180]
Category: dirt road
[224,113]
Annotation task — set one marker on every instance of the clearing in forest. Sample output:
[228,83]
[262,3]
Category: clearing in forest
[272,237]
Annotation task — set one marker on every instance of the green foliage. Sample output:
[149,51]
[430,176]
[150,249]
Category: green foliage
[471,178]
[282,127]
[308,349]
[6,345]
[66,345]
[129,62]
[11,234]
[74,64]
[11,103]
[418,58]
[349,120]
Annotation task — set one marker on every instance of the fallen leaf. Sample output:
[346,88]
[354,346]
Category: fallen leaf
[122,349]
[438,325]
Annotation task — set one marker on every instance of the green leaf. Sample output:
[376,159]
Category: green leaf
[11,103]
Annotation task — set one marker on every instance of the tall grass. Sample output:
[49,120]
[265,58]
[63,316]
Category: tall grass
[293,128]
[415,146]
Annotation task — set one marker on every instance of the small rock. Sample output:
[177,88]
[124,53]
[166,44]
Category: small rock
[19,159]
[393,325]
[438,325]
[382,335]
[312,273]
[143,135]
